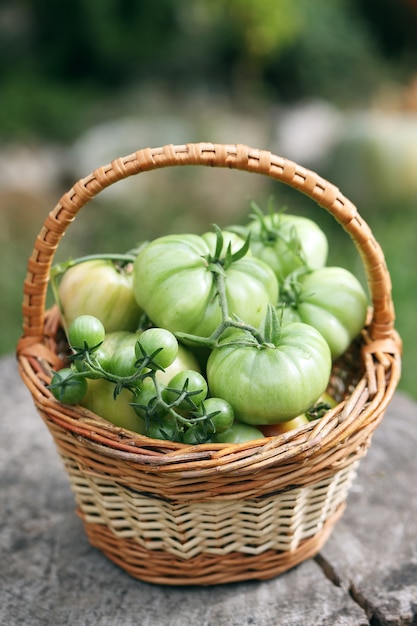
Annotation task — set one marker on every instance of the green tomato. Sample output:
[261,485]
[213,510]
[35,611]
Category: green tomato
[175,284]
[146,392]
[163,428]
[145,397]
[100,288]
[82,366]
[230,239]
[269,383]
[287,242]
[332,300]
[67,387]
[239,433]
[154,339]
[221,414]
[118,353]
[195,435]
[86,331]
[101,401]
[191,381]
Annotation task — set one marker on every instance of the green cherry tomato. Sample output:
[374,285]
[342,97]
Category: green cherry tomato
[221,413]
[146,392]
[175,284]
[270,383]
[67,387]
[163,428]
[86,331]
[82,366]
[239,433]
[332,300]
[145,397]
[120,351]
[117,353]
[154,339]
[101,288]
[191,381]
[195,435]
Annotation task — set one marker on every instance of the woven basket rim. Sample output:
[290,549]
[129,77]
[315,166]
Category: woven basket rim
[380,349]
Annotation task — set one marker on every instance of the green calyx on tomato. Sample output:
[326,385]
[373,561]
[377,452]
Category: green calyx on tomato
[285,242]
[273,381]
[331,299]
[139,381]
[68,387]
[186,390]
[197,285]
[160,344]
[180,411]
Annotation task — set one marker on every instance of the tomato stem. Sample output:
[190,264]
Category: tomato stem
[157,406]
[61,268]
[227,321]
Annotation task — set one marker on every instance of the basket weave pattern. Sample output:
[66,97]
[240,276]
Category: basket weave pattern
[212,513]
[251,526]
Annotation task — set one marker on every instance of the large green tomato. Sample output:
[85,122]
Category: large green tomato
[269,383]
[287,242]
[175,284]
[332,300]
[100,288]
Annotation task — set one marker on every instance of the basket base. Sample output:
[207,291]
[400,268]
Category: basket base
[163,568]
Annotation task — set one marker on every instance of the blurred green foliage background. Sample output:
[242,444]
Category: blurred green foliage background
[332,85]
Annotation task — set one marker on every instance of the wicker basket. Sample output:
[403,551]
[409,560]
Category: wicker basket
[174,514]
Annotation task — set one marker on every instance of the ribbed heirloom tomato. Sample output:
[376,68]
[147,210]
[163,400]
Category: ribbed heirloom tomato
[332,300]
[286,242]
[176,283]
[270,382]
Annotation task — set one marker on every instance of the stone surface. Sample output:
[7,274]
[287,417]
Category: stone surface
[50,575]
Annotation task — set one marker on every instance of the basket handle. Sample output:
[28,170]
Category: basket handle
[240,157]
